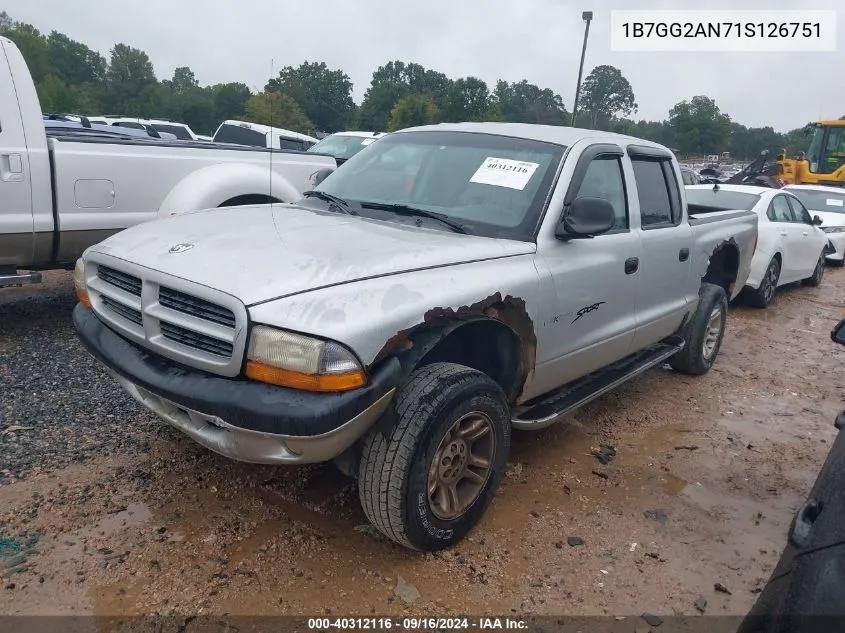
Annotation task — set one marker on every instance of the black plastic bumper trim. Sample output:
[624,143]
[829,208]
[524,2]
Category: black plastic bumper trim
[240,402]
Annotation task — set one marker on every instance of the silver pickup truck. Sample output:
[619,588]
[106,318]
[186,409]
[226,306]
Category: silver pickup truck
[62,190]
[444,286]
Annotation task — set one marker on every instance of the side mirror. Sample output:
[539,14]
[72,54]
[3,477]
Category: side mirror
[586,217]
[838,333]
[817,221]
[319,176]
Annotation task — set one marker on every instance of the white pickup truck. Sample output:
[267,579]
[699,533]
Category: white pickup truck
[62,191]
[444,285]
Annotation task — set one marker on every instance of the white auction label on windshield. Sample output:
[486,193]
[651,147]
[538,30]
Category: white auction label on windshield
[504,172]
[367,141]
[833,202]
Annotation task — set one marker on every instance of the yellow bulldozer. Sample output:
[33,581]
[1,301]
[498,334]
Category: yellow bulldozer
[824,161]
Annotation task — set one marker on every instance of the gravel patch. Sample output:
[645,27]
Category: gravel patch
[57,404]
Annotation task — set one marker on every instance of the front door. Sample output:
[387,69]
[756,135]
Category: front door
[16,221]
[811,241]
[590,316]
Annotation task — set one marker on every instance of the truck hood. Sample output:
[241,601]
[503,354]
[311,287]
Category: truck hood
[261,253]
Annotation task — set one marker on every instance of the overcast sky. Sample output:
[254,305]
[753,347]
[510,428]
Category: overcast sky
[538,40]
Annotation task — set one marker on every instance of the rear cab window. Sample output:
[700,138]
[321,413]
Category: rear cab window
[240,136]
[658,191]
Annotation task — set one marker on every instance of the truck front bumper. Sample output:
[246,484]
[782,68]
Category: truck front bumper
[242,419]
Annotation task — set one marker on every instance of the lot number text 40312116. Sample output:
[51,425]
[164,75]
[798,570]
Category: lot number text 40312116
[723,31]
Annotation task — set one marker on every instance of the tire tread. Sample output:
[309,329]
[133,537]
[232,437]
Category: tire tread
[386,460]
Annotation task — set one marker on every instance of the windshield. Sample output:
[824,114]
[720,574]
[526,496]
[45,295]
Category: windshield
[342,146]
[178,131]
[829,201]
[721,200]
[493,185]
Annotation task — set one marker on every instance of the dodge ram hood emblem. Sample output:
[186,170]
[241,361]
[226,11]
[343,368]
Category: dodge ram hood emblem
[181,248]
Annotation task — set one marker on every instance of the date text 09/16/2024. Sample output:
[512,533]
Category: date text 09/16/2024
[414,624]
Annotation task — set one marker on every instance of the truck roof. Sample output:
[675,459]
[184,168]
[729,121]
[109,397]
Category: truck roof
[558,134]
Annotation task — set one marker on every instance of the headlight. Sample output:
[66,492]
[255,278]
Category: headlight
[833,229]
[292,360]
[79,283]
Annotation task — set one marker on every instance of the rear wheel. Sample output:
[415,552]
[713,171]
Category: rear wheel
[704,332]
[818,272]
[762,296]
[427,481]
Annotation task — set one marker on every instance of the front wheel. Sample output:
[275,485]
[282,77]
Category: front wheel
[815,279]
[704,332]
[427,481]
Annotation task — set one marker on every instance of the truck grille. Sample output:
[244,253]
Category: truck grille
[129,283]
[175,318]
[195,306]
[196,340]
[130,314]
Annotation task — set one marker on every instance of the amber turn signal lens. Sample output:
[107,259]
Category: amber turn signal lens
[306,382]
[83,297]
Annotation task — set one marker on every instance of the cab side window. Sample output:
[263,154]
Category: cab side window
[779,210]
[658,192]
[604,179]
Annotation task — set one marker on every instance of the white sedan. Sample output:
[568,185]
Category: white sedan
[829,204]
[790,245]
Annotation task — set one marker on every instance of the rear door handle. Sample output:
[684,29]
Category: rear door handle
[631,265]
[784,233]
[683,255]
[806,233]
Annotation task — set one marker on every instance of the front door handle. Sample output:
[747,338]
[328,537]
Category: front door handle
[784,233]
[631,265]
[683,255]
[11,168]
[805,233]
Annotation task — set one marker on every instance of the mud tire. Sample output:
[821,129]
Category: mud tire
[393,472]
[764,295]
[692,359]
[815,280]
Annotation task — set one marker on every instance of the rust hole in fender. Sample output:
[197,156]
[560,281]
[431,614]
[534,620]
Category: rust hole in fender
[509,311]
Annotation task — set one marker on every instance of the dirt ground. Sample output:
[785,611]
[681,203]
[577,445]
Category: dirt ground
[707,475]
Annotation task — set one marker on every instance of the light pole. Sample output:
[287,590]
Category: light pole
[586,16]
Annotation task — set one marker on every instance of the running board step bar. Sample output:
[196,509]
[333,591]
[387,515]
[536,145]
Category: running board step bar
[15,278]
[546,410]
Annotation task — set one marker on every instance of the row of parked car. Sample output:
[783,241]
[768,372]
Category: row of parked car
[800,229]
[342,145]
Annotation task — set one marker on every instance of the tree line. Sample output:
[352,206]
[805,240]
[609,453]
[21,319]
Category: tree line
[72,78]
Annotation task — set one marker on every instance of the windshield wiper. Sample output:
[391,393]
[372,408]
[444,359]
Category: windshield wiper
[404,209]
[338,203]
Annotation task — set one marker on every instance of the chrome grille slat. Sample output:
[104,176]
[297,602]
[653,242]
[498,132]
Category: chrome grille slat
[187,322]
[195,339]
[130,314]
[124,281]
[182,302]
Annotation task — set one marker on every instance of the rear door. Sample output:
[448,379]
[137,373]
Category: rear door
[17,237]
[811,241]
[666,237]
[788,238]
